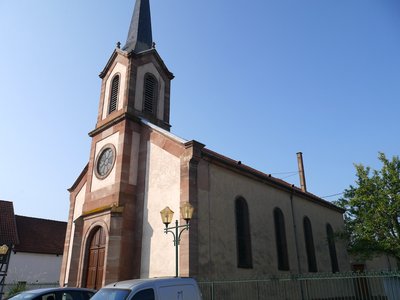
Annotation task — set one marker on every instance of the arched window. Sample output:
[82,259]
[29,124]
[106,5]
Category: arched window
[243,238]
[150,93]
[95,256]
[280,237]
[332,248]
[310,249]
[114,94]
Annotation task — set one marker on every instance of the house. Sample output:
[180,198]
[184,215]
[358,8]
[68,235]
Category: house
[38,255]
[380,262]
[8,238]
[36,247]
[246,223]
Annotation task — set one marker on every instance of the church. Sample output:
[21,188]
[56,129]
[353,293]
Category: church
[246,224]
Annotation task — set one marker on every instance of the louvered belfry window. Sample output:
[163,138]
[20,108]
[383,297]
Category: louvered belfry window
[114,94]
[150,94]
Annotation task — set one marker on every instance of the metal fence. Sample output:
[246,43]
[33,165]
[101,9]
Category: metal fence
[338,286]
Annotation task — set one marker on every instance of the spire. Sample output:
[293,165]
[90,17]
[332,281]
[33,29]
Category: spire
[139,36]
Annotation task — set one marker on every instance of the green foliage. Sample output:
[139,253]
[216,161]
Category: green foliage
[372,218]
[18,288]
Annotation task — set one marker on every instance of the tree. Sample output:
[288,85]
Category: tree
[372,218]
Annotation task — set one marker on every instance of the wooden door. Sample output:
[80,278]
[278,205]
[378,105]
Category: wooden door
[95,258]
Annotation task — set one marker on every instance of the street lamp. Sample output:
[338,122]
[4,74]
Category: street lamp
[166,217]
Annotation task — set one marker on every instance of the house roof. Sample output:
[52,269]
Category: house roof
[40,235]
[8,228]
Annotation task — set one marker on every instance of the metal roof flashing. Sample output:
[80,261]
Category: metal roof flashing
[163,131]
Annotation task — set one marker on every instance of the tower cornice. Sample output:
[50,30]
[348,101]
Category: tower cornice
[123,116]
[126,115]
[132,55]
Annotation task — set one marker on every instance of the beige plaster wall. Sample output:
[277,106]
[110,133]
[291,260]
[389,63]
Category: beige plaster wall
[162,189]
[379,263]
[142,70]
[110,179]
[218,243]
[218,189]
[319,217]
[121,70]
[79,200]
[133,166]
[33,268]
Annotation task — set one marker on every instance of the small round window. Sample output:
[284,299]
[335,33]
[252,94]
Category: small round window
[105,161]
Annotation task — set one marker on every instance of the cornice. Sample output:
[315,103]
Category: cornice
[114,121]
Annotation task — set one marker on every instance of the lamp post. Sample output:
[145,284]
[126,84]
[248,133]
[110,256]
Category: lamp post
[166,217]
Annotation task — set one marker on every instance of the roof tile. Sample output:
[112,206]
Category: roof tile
[40,235]
[8,228]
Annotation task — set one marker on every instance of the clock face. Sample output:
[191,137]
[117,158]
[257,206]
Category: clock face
[105,161]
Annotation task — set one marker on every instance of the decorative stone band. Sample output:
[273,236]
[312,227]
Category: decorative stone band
[114,208]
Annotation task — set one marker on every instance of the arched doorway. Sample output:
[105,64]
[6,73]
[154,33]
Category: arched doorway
[95,258]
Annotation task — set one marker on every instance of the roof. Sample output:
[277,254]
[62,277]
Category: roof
[238,165]
[163,131]
[151,282]
[8,228]
[244,169]
[80,177]
[139,35]
[41,291]
[40,235]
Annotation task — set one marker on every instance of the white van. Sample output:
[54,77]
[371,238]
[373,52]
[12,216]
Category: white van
[151,289]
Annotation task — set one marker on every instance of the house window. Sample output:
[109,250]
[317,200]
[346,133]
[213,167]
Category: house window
[310,249]
[243,238]
[280,237]
[150,93]
[114,94]
[332,248]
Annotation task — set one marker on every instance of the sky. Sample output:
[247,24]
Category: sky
[255,80]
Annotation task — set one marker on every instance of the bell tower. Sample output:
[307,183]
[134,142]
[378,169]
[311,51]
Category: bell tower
[135,80]
[106,212]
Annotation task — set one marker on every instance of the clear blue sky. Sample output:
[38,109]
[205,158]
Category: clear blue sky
[255,80]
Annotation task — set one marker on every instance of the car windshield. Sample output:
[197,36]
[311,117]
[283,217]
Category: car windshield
[111,294]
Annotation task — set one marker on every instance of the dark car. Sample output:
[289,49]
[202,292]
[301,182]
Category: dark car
[55,294]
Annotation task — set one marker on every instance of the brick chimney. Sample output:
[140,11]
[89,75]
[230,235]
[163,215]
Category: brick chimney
[301,172]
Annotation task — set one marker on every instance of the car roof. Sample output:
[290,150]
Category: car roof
[56,289]
[131,284]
